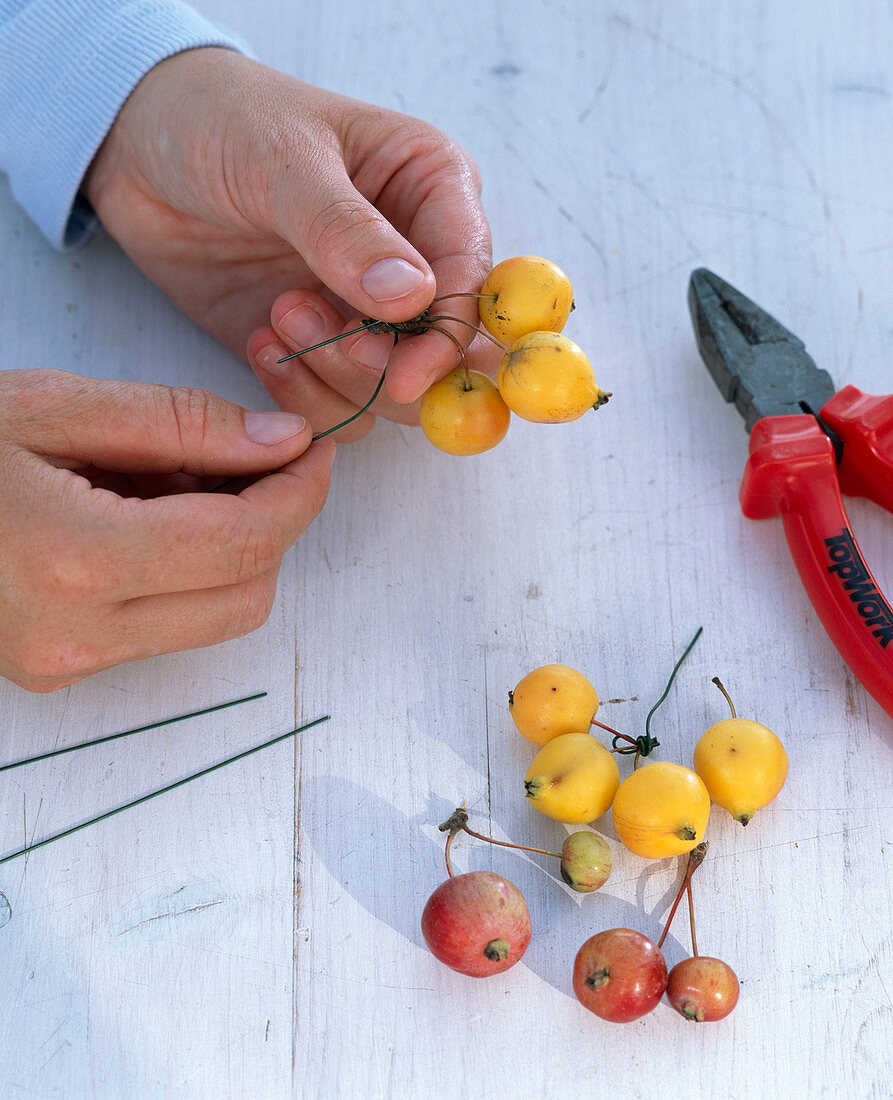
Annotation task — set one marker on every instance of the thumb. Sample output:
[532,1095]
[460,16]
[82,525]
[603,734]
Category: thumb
[348,244]
[131,427]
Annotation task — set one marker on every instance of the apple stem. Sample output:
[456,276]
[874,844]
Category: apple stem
[446,853]
[716,680]
[477,328]
[641,746]
[459,348]
[607,729]
[458,822]
[691,919]
[465,294]
[695,859]
[507,844]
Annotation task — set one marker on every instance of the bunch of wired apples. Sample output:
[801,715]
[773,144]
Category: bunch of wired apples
[543,377]
[478,923]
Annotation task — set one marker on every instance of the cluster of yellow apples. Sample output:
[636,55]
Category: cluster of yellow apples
[543,377]
[661,808]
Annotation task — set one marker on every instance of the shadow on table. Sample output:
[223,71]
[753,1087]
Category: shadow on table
[361,851]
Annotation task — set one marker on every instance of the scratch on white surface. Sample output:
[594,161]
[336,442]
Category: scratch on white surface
[52,1035]
[867,1046]
[768,216]
[65,702]
[667,211]
[349,812]
[562,210]
[173,913]
[772,120]
[641,284]
[886,247]
[334,978]
[198,1069]
[792,843]
[65,1043]
[602,85]
[126,883]
[866,89]
[29,840]
[875,970]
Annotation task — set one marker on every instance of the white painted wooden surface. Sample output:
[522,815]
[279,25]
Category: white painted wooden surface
[256,934]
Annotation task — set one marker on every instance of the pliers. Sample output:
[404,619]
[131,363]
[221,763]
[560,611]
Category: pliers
[808,445]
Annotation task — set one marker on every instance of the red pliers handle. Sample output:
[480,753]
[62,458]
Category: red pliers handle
[793,470]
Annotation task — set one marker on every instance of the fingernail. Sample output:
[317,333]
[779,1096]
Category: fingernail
[269,359]
[303,325]
[371,351]
[272,427]
[391,278]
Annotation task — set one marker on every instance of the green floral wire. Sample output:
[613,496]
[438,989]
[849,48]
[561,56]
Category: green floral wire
[646,743]
[357,414]
[127,733]
[161,790]
[231,480]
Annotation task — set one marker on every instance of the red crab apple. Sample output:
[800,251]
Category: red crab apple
[619,975]
[477,923]
[702,988]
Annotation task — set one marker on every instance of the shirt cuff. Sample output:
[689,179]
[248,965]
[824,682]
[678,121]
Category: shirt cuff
[67,69]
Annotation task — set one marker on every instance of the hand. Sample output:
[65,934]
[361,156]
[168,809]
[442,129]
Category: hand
[231,184]
[111,549]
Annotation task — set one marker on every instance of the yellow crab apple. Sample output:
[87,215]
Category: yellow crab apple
[524,294]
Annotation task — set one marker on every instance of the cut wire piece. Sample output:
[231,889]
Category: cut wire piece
[161,790]
[645,744]
[676,668]
[128,733]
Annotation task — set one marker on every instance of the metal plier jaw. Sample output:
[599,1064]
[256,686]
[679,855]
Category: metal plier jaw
[753,359]
[808,445]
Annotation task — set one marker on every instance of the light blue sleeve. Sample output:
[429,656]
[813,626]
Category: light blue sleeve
[66,68]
